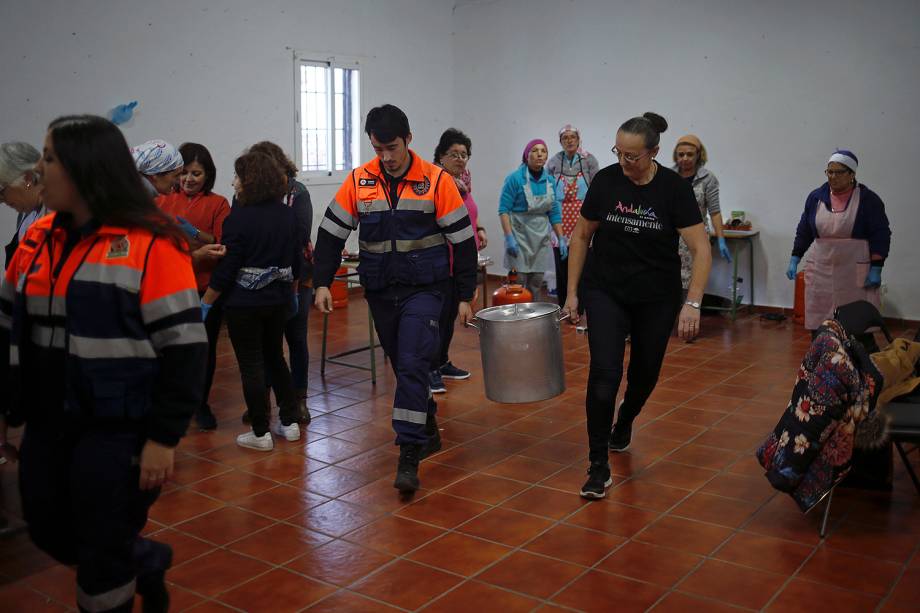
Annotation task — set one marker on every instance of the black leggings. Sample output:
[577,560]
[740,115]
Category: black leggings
[648,325]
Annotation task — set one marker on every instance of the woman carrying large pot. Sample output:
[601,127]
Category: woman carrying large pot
[845,225]
[529,210]
[625,242]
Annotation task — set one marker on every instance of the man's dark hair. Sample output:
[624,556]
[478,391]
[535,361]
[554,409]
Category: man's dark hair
[387,123]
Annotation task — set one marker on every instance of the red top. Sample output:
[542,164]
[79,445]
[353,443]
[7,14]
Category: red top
[204,211]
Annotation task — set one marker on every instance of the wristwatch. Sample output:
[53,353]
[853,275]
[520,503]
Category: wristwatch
[695,305]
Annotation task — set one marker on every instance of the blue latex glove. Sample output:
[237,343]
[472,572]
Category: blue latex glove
[563,248]
[122,113]
[511,246]
[723,249]
[205,309]
[793,266]
[874,278]
[295,305]
[187,227]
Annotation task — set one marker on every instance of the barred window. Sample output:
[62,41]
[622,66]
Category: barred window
[328,116]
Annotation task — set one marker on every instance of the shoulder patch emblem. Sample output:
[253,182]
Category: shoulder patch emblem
[118,248]
[421,187]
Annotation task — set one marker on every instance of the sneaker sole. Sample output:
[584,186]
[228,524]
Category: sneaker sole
[456,377]
[257,448]
[595,495]
[440,390]
[286,437]
[620,449]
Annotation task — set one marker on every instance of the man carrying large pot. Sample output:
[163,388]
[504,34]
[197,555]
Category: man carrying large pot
[406,211]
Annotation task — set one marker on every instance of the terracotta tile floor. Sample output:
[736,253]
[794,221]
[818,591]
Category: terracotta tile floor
[498,525]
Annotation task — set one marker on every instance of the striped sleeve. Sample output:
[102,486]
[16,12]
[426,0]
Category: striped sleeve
[340,218]
[172,317]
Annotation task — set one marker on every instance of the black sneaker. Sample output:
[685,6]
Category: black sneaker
[599,480]
[449,371]
[436,383]
[205,419]
[620,437]
[434,437]
[407,469]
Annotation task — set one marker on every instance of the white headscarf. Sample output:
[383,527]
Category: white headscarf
[155,157]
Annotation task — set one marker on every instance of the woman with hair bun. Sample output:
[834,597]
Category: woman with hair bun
[625,242]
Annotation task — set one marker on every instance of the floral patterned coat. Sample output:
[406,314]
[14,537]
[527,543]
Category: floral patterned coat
[811,447]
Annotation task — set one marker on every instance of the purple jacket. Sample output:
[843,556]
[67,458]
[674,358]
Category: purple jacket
[871,222]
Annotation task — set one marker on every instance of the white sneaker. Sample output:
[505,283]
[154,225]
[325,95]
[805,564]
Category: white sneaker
[288,433]
[259,443]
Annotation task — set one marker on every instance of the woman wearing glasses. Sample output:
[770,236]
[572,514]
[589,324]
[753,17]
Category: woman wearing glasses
[19,189]
[690,162]
[845,225]
[625,243]
[527,208]
[452,154]
[573,169]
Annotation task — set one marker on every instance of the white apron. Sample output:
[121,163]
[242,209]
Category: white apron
[837,264]
[531,229]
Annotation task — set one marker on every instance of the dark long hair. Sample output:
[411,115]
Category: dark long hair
[95,155]
[451,137]
[194,152]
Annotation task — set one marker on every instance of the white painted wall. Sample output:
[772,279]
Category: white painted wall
[770,87]
[218,72]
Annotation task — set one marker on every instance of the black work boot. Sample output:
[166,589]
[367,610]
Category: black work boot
[434,437]
[151,581]
[407,469]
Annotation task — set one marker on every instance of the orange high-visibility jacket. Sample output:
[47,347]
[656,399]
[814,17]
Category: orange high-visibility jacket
[121,306]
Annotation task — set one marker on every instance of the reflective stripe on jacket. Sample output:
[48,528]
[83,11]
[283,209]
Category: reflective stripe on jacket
[122,306]
[402,242]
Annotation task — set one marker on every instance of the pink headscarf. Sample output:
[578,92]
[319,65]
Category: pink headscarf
[531,145]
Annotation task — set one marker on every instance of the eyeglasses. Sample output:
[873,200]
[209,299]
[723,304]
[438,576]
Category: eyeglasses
[632,158]
[454,155]
[836,173]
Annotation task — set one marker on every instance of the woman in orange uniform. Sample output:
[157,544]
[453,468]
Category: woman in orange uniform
[102,356]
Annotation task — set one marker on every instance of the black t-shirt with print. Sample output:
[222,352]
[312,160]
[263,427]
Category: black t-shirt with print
[633,255]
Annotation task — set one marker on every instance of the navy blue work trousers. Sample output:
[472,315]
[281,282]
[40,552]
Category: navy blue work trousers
[408,329]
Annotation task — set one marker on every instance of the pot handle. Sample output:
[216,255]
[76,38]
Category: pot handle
[472,325]
[564,317]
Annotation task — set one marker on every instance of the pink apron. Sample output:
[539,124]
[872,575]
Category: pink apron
[837,265]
